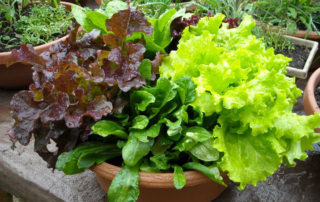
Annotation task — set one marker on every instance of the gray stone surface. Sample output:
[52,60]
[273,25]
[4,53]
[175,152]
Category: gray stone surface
[24,174]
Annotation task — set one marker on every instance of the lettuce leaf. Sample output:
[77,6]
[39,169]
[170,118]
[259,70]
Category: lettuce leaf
[245,85]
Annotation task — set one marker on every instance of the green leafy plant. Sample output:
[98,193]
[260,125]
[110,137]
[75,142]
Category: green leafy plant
[42,24]
[222,102]
[36,25]
[273,38]
[289,14]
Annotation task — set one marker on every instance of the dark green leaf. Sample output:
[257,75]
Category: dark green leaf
[179,179]
[121,143]
[134,150]
[149,167]
[162,162]
[87,160]
[127,180]
[159,148]
[212,172]
[186,89]
[105,128]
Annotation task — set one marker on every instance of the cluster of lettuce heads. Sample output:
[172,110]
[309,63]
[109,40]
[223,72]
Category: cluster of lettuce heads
[220,102]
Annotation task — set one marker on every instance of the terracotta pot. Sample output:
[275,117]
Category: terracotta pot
[189,8]
[82,3]
[19,75]
[309,100]
[158,187]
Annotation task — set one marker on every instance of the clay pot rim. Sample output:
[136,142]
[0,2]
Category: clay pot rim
[313,81]
[152,180]
[5,55]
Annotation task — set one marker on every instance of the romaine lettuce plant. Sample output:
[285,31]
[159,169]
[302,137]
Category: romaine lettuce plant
[221,103]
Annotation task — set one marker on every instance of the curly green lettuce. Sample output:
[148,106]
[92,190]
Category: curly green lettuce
[246,86]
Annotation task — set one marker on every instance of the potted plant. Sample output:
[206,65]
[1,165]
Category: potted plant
[311,95]
[217,105]
[299,18]
[44,30]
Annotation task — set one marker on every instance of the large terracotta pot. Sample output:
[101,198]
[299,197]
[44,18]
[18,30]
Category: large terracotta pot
[19,75]
[309,100]
[158,187]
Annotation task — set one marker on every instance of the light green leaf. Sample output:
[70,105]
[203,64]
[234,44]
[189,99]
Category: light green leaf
[145,69]
[293,12]
[179,179]
[292,26]
[205,151]
[127,180]
[140,122]
[139,100]
[115,6]
[79,14]
[105,128]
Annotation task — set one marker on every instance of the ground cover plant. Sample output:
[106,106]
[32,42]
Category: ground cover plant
[291,14]
[36,24]
[219,102]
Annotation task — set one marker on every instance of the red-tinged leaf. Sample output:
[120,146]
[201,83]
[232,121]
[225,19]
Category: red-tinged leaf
[126,22]
[26,112]
[97,72]
[26,55]
[102,56]
[73,30]
[88,39]
[111,40]
[126,73]
[135,56]
[96,109]
[156,63]
[66,82]
[136,83]
[118,104]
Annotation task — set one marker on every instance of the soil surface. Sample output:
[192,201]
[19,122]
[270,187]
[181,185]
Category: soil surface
[301,26]
[299,56]
[317,94]
[6,31]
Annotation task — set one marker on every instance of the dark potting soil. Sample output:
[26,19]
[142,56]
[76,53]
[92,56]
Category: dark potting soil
[299,56]
[6,31]
[317,94]
[301,26]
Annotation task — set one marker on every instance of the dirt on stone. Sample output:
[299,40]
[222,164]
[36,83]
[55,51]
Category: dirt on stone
[299,56]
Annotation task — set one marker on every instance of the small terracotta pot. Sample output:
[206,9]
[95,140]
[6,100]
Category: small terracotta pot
[158,187]
[19,75]
[309,100]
